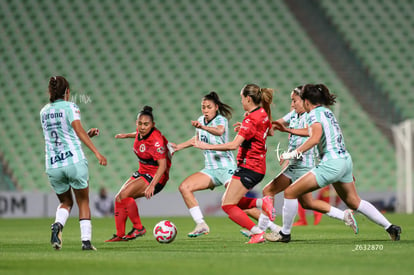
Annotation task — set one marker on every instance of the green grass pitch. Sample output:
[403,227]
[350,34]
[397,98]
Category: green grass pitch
[328,248]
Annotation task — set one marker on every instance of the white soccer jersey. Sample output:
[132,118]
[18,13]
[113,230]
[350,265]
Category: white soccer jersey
[332,144]
[216,159]
[297,121]
[62,145]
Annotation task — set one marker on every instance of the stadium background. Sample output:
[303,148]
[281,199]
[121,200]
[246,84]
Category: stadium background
[121,55]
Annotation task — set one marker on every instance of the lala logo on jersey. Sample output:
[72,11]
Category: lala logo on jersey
[60,157]
[142,148]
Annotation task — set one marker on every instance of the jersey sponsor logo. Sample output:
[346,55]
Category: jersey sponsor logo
[157,144]
[51,115]
[204,138]
[142,148]
[61,157]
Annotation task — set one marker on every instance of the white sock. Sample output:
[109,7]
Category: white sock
[196,214]
[336,213]
[263,221]
[259,203]
[86,230]
[290,208]
[62,215]
[256,230]
[373,214]
[274,227]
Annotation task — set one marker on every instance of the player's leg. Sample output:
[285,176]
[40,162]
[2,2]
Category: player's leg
[134,189]
[323,194]
[62,214]
[277,185]
[82,199]
[306,183]
[347,192]
[302,216]
[78,176]
[196,182]
[234,192]
[60,185]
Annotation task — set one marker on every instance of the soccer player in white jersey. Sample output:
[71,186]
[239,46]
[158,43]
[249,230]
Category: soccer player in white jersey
[66,165]
[212,128]
[295,123]
[335,167]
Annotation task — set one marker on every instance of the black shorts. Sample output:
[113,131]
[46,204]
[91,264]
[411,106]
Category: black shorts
[248,178]
[148,178]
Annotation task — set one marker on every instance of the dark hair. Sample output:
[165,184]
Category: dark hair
[58,86]
[260,96]
[318,94]
[297,90]
[147,110]
[223,109]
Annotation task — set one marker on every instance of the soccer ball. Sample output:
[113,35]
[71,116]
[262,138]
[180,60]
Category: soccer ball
[165,231]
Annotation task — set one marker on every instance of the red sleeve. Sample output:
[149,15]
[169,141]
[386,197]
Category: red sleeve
[160,151]
[248,128]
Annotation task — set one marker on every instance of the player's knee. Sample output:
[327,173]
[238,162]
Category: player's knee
[184,188]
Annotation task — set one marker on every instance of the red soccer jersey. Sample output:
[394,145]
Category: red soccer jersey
[149,149]
[252,152]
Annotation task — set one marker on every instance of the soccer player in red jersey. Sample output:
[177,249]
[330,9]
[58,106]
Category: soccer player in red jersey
[251,158]
[150,146]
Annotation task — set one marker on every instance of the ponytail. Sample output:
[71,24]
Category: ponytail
[223,109]
[58,87]
[260,96]
[318,94]
[267,98]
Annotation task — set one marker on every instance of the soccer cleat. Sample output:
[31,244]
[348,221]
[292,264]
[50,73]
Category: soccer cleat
[268,208]
[350,220]
[257,238]
[134,233]
[200,229]
[394,231]
[300,223]
[86,245]
[277,237]
[116,238]
[56,238]
[246,233]
[317,219]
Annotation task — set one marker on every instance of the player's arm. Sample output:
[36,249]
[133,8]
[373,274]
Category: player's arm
[162,167]
[126,135]
[303,132]
[315,134]
[281,125]
[217,130]
[183,145]
[84,137]
[232,145]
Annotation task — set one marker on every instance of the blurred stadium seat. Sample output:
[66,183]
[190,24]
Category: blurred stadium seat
[123,55]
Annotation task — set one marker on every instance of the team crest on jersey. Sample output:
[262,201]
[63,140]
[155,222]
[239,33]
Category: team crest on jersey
[161,150]
[142,148]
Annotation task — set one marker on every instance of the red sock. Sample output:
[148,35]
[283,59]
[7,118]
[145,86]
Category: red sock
[238,216]
[301,214]
[120,214]
[247,203]
[133,213]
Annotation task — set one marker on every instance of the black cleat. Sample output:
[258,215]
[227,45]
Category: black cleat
[86,245]
[56,238]
[394,231]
